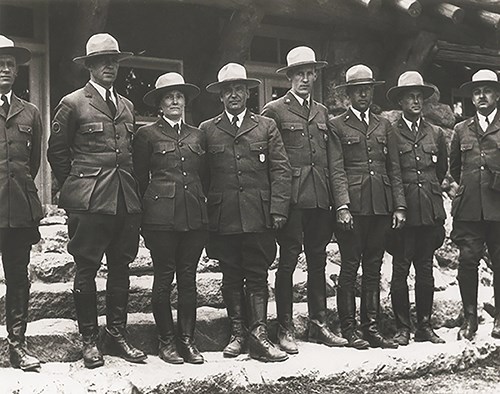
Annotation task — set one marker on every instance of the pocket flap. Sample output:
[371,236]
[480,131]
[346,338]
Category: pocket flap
[130,127]
[216,148]
[322,126]
[405,149]
[429,148]
[292,126]
[25,128]
[163,147]
[466,146]
[85,172]
[265,195]
[196,148]
[96,127]
[214,198]
[382,139]
[160,190]
[348,140]
[258,146]
[296,171]
[386,180]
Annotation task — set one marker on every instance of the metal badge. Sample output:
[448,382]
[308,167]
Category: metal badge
[56,127]
[385,150]
[434,158]
[28,144]
[262,157]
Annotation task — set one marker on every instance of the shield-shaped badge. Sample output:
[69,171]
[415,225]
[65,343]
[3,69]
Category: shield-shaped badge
[434,158]
[262,157]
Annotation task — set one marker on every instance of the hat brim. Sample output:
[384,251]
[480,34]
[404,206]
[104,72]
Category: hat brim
[22,55]
[215,87]
[153,97]
[468,87]
[358,83]
[395,92]
[317,65]
[120,56]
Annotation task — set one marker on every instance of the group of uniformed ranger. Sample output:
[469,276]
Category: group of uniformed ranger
[239,184]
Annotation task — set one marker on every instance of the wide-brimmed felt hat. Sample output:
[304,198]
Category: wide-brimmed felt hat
[359,74]
[482,77]
[232,73]
[102,44]
[409,80]
[167,82]
[301,56]
[7,47]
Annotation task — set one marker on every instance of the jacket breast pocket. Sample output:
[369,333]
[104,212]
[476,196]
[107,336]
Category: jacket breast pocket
[292,134]
[78,188]
[382,140]
[259,154]
[431,153]
[197,149]
[406,156]
[159,203]
[25,135]
[323,134]
[163,154]
[92,136]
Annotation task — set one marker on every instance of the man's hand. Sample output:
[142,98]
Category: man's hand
[398,219]
[279,221]
[344,218]
[452,191]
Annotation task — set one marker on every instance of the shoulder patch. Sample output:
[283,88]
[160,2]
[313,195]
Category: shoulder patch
[56,127]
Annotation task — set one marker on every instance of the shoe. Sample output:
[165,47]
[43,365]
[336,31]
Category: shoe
[355,341]
[20,358]
[402,337]
[118,345]
[189,352]
[376,340]
[427,334]
[167,350]
[92,356]
[235,302]
[320,333]
[262,349]
[286,336]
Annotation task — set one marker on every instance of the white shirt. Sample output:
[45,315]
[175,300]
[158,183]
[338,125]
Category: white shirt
[240,117]
[172,123]
[102,91]
[482,119]
[358,115]
[300,99]
[409,123]
[9,97]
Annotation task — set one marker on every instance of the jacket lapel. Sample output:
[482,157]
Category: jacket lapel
[249,122]
[185,131]
[120,106]
[294,106]
[373,124]
[493,127]
[352,121]
[422,130]
[166,129]
[404,130]
[223,123]
[314,110]
[96,100]
[16,106]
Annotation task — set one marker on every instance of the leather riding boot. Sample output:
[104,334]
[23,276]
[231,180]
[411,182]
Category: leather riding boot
[401,308]
[495,333]
[320,333]
[235,302]
[370,300]
[116,332]
[86,314]
[346,307]
[16,310]
[424,296]
[186,320]
[468,290]
[167,349]
[260,347]
[286,335]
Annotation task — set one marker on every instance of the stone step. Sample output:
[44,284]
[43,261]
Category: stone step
[343,367]
[57,339]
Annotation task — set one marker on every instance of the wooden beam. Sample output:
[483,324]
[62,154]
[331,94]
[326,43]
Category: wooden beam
[489,18]
[451,12]
[411,7]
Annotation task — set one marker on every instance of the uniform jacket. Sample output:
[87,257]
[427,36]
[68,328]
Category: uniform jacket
[305,138]
[20,151]
[169,168]
[91,153]
[475,165]
[365,165]
[424,163]
[250,176]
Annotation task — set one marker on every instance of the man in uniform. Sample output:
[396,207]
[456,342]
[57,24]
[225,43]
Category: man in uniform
[20,210]
[367,189]
[248,197]
[424,163]
[90,154]
[303,126]
[475,165]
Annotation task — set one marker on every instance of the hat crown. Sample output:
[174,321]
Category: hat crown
[410,78]
[169,79]
[485,75]
[300,55]
[358,72]
[6,42]
[232,71]
[102,42]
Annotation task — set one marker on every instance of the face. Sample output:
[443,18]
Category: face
[103,70]
[302,79]
[8,72]
[360,96]
[234,96]
[172,105]
[411,101]
[484,98]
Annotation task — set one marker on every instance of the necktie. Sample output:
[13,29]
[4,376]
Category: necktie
[234,122]
[414,128]
[363,120]
[5,104]
[487,124]
[305,104]
[110,103]
[176,128]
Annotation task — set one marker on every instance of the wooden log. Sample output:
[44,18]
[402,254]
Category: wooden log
[489,18]
[411,7]
[451,12]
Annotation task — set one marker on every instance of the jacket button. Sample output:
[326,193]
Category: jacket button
[239,172]
[117,136]
[292,128]
[416,145]
[156,197]
[482,167]
[163,152]
[236,142]
[372,172]
[184,173]
[241,188]
[312,164]
[185,186]
[417,158]
[117,166]
[81,175]
[419,172]
[238,157]
[117,150]
[180,144]
[183,158]
[370,161]
[482,154]
[419,185]
[369,149]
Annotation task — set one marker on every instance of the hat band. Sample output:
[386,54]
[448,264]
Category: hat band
[369,80]
[103,51]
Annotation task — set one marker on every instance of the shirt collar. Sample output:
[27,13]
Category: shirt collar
[409,122]
[300,99]
[102,91]
[172,123]
[240,117]
[358,114]
[9,96]
[490,117]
